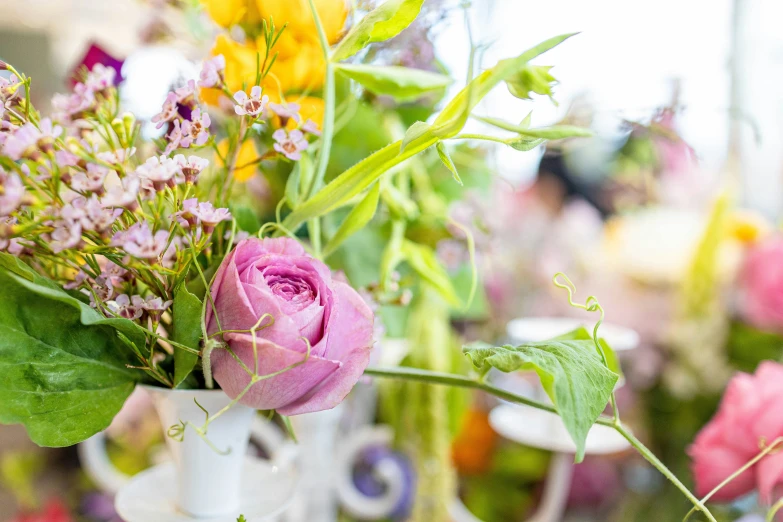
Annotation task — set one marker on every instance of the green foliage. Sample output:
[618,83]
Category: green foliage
[63,364]
[384,22]
[401,83]
[533,78]
[246,218]
[424,262]
[241,518]
[443,154]
[554,132]
[415,131]
[571,371]
[187,330]
[357,219]
[525,144]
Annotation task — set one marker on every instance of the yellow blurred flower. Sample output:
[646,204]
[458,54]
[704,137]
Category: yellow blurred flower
[748,227]
[240,67]
[310,109]
[227,13]
[245,159]
[300,20]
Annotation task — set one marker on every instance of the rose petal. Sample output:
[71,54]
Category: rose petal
[235,311]
[769,473]
[350,324]
[712,465]
[332,390]
[274,392]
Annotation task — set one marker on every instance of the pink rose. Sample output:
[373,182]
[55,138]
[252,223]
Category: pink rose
[750,416]
[762,284]
[277,277]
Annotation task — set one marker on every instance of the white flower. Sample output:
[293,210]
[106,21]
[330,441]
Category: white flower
[252,106]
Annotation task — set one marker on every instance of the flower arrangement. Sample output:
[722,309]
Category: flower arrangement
[129,261]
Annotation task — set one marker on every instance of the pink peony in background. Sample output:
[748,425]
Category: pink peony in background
[762,285]
[750,416]
[277,277]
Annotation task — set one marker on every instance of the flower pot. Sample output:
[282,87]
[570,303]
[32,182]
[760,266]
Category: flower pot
[209,474]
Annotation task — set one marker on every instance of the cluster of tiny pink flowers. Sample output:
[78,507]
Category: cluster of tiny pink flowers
[183,133]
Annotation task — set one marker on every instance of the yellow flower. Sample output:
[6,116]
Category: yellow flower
[748,227]
[240,67]
[245,159]
[310,109]
[300,65]
[227,13]
[300,20]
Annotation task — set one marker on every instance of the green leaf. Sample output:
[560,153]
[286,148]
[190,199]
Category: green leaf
[401,83]
[525,144]
[246,218]
[583,334]
[424,261]
[355,180]
[555,132]
[63,364]
[414,132]
[187,330]
[533,78]
[358,178]
[357,219]
[292,186]
[451,120]
[571,372]
[446,159]
[384,22]
[400,205]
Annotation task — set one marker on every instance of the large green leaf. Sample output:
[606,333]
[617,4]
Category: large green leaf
[63,364]
[571,371]
[384,22]
[187,331]
[357,219]
[401,83]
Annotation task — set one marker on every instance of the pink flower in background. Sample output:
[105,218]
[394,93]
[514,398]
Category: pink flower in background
[139,241]
[168,111]
[191,167]
[159,170]
[750,416]
[291,144]
[23,142]
[286,111]
[124,194]
[307,306]
[761,282]
[197,129]
[12,192]
[252,106]
[212,71]
[311,127]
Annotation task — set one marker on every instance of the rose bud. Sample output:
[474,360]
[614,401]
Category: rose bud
[307,306]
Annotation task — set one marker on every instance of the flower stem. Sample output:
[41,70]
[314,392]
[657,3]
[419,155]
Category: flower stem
[449,379]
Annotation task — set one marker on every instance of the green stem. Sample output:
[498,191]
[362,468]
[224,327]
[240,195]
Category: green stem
[466,382]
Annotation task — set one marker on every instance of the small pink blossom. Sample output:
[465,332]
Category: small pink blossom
[186,95]
[159,170]
[65,236]
[66,158]
[210,216]
[9,88]
[197,128]
[176,137]
[189,213]
[91,181]
[23,143]
[68,106]
[311,127]
[290,144]
[140,242]
[191,167]
[90,214]
[212,72]
[13,246]
[168,112]
[100,78]
[153,305]
[252,106]
[286,111]
[116,157]
[11,192]
[124,194]
[126,307]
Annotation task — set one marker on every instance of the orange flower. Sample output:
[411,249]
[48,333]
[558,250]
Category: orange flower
[474,445]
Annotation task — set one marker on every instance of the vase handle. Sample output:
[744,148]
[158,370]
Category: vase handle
[388,471]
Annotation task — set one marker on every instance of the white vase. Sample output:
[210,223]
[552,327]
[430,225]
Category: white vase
[208,481]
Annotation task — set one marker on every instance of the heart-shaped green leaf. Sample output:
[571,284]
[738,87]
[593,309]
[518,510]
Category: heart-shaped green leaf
[571,371]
